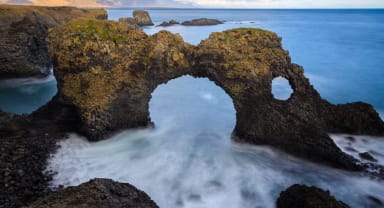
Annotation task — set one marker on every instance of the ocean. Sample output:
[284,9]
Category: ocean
[189,160]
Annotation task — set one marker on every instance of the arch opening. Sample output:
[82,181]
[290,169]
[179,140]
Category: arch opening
[192,104]
[281,88]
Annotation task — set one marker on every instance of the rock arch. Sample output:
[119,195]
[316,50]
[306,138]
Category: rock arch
[107,71]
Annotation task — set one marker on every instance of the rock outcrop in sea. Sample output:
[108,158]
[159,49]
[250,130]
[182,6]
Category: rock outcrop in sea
[202,22]
[23,29]
[97,193]
[308,197]
[142,18]
[107,72]
[169,23]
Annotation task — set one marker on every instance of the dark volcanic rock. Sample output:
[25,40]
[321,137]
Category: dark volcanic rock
[25,145]
[307,197]
[202,22]
[108,77]
[129,21]
[170,23]
[375,201]
[142,18]
[367,156]
[23,29]
[97,193]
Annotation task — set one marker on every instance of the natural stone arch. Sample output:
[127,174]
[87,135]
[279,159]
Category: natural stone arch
[189,100]
[107,71]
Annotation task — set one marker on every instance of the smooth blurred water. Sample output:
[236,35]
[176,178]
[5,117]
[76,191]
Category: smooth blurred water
[189,160]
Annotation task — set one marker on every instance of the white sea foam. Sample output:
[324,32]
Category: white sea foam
[189,160]
[353,145]
[19,82]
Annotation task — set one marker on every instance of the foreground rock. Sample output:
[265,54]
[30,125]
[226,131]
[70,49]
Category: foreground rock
[142,18]
[23,29]
[202,22]
[97,193]
[105,78]
[308,197]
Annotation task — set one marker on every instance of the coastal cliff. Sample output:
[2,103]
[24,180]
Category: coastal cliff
[108,71]
[23,30]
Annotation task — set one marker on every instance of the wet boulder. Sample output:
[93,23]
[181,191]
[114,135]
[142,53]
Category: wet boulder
[308,197]
[97,193]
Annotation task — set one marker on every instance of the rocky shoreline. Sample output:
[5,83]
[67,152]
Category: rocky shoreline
[26,144]
[106,70]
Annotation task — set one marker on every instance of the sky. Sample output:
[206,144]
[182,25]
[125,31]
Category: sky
[207,3]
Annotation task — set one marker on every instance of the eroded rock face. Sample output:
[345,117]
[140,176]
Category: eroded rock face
[23,29]
[107,72]
[308,197]
[142,18]
[97,193]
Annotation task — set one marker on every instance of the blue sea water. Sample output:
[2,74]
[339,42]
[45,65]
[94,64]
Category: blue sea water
[188,160]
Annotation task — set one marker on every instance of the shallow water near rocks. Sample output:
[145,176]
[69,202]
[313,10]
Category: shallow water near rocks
[27,94]
[189,160]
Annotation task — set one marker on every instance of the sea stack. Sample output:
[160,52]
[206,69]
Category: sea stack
[142,18]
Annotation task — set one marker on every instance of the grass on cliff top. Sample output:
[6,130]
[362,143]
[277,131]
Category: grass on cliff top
[15,13]
[97,30]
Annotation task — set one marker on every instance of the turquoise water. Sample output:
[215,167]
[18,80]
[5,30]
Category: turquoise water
[26,95]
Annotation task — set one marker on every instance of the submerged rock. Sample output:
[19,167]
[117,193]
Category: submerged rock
[202,22]
[308,197]
[97,193]
[367,156]
[23,29]
[142,18]
[375,201]
[109,71]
